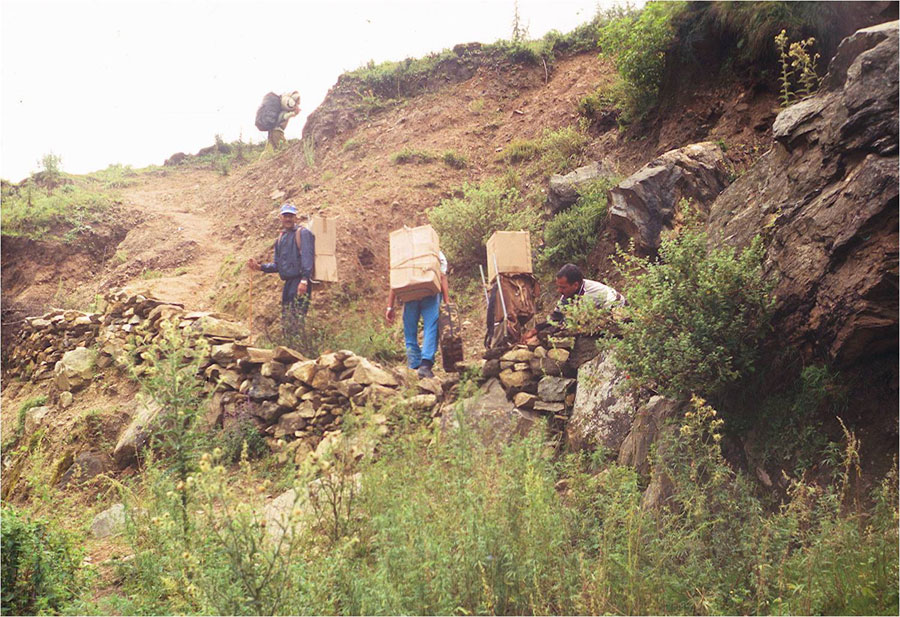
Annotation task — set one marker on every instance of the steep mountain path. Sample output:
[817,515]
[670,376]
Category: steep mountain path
[174,250]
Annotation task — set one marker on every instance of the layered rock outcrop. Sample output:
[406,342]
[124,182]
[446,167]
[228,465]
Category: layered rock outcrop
[645,204]
[825,199]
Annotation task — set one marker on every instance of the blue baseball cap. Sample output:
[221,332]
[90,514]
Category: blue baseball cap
[288,208]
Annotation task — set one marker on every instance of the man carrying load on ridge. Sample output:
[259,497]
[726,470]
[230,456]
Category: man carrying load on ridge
[427,310]
[295,263]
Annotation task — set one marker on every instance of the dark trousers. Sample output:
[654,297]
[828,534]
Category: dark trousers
[294,307]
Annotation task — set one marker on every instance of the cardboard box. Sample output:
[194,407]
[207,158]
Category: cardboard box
[512,250]
[325,231]
[415,267]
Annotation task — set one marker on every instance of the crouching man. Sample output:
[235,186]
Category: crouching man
[295,254]
[572,287]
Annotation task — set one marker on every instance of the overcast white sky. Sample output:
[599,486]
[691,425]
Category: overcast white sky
[101,82]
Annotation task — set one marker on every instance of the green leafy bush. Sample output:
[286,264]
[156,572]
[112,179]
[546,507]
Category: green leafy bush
[571,235]
[40,565]
[465,223]
[695,317]
[637,44]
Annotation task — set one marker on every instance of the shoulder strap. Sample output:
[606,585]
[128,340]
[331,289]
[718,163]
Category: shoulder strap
[297,240]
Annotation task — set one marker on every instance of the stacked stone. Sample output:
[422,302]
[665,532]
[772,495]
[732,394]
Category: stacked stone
[291,397]
[42,341]
[537,378]
[288,396]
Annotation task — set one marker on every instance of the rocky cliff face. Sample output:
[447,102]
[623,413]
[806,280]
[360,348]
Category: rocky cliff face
[825,199]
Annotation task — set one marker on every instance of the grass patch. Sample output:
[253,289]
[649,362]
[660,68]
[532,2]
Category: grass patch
[65,211]
[413,156]
[454,160]
[556,151]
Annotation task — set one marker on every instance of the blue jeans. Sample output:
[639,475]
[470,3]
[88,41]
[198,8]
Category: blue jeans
[428,309]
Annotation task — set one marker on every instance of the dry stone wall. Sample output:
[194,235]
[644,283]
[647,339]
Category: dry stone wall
[288,396]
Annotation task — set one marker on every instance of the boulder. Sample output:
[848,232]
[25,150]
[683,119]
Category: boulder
[66,399]
[603,413]
[268,411]
[258,355]
[645,429]
[110,522]
[825,199]
[564,189]
[227,353]
[303,371]
[515,379]
[287,356]
[220,328]
[262,388]
[273,369]
[493,416]
[644,204]
[86,466]
[290,422]
[554,389]
[286,396]
[423,402]
[282,514]
[75,369]
[324,378]
[524,400]
[137,433]
[368,373]
[517,355]
[549,407]
[34,417]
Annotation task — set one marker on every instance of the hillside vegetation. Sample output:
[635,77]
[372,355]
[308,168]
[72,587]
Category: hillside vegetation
[769,487]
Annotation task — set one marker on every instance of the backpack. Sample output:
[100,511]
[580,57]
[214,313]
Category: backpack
[519,293]
[267,114]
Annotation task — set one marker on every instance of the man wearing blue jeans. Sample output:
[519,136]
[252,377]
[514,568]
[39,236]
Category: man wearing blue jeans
[427,309]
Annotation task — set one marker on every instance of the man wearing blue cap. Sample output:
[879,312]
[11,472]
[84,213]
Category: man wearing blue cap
[295,258]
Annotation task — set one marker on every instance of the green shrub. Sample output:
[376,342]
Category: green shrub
[695,317]
[413,155]
[465,223]
[478,530]
[242,439]
[454,160]
[637,43]
[40,565]
[570,236]
[559,150]
[519,150]
[12,439]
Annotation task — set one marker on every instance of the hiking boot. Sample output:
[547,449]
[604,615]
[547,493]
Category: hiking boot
[425,371]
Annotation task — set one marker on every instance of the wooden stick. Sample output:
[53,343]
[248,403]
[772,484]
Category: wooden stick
[250,301]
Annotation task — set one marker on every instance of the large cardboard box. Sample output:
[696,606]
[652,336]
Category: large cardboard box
[415,267]
[325,231]
[512,250]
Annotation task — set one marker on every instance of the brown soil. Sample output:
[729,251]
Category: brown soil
[189,230]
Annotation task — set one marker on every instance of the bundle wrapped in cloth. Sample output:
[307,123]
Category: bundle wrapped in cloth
[415,265]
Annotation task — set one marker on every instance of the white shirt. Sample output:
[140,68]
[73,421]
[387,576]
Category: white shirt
[443,261]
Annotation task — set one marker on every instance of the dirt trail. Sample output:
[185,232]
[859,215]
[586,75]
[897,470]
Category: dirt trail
[176,250]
